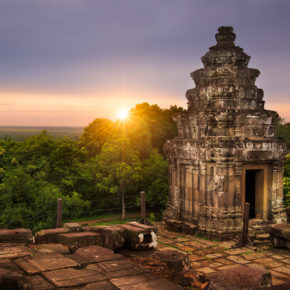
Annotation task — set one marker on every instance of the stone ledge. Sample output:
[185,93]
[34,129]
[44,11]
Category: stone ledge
[50,235]
[81,239]
[16,235]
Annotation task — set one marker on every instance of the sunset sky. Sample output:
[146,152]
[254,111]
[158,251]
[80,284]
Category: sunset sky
[67,62]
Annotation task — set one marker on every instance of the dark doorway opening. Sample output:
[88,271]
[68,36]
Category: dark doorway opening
[255,192]
[250,191]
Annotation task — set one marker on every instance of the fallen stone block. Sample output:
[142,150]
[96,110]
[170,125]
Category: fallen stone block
[240,277]
[174,225]
[49,236]
[140,237]
[280,235]
[81,239]
[73,227]
[174,259]
[114,236]
[16,236]
[143,226]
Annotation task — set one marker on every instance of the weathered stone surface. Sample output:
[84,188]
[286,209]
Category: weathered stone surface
[73,227]
[81,239]
[8,264]
[12,280]
[225,141]
[49,236]
[37,282]
[175,259]
[116,268]
[50,248]
[139,238]
[94,254]
[73,277]
[14,251]
[103,285]
[114,236]
[16,236]
[174,225]
[280,235]
[188,228]
[144,281]
[45,262]
[240,277]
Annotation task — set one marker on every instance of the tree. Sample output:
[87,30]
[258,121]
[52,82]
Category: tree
[96,134]
[155,176]
[159,122]
[116,176]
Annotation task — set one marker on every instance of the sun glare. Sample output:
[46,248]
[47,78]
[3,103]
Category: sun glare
[123,114]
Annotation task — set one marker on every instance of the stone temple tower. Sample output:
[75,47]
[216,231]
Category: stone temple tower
[225,153]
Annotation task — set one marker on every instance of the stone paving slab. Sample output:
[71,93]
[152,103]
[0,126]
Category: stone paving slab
[116,268]
[37,282]
[214,257]
[94,254]
[50,248]
[103,285]
[284,270]
[8,264]
[144,282]
[45,262]
[14,251]
[73,277]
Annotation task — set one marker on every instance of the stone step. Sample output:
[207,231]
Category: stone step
[262,237]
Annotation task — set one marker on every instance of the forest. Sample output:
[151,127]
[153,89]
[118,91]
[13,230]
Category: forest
[110,160]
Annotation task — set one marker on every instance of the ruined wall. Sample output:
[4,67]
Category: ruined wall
[224,132]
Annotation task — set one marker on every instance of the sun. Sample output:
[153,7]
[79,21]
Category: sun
[123,114]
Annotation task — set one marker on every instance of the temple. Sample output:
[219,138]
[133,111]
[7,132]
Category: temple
[225,153]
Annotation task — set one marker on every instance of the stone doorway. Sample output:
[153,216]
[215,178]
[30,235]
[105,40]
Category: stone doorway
[255,190]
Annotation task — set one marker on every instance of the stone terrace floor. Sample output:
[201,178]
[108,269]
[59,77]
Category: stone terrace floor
[52,266]
[209,256]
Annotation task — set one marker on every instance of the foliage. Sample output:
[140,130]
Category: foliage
[287,166]
[155,170]
[96,134]
[282,131]
[90,174]
[34,173]
[286,191]
[158,121]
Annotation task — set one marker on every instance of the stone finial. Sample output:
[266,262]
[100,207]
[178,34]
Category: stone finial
[225,36]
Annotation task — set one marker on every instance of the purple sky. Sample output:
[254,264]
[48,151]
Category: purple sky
[66,62]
